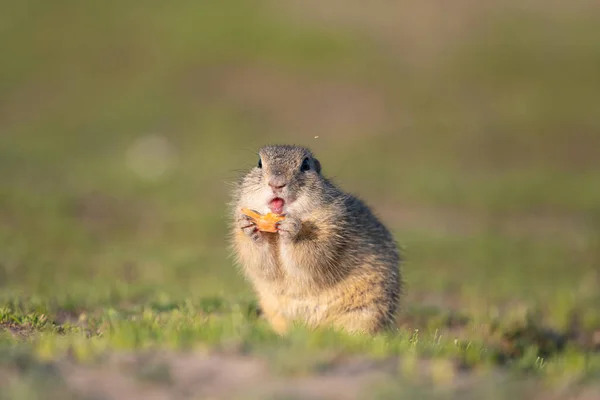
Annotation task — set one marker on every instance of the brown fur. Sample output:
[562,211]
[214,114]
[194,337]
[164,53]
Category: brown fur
[332,262]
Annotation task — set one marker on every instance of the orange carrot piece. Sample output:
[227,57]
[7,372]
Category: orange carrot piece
[266,222]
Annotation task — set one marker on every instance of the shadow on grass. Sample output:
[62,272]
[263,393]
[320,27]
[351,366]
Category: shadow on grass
[506,341]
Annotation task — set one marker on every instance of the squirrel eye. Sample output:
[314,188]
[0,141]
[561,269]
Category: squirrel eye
[259,163]
[305,165]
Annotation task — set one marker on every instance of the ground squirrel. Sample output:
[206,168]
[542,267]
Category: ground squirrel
[331,260]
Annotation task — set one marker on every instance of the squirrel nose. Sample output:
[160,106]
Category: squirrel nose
[277,185]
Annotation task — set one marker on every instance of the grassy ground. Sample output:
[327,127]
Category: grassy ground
[471,130]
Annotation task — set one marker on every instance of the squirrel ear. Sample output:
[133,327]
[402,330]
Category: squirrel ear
[317,165]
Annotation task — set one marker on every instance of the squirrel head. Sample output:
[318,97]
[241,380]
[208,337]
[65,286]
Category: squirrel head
[286,179]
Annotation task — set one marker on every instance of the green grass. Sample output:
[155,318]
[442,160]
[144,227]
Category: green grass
[215,324]
[483,164]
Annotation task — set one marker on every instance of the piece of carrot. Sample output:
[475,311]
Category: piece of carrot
[266,222]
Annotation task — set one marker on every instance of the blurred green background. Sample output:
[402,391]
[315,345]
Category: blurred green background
[472,128]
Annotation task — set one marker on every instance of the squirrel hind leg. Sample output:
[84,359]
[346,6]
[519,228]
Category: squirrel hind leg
[277,322]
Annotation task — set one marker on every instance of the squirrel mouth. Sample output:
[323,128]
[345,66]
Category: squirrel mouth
[276,205]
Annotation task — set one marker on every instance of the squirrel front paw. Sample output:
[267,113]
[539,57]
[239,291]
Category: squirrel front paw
[289,228]
[248,226]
